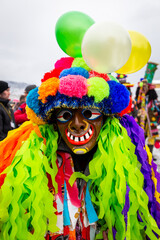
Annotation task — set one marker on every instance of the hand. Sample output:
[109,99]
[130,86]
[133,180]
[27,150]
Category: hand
[105,235]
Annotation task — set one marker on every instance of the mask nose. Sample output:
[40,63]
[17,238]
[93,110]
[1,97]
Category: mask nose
[77,125]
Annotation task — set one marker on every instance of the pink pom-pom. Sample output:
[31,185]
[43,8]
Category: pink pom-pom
[95,74]
[73,86]
[64,63]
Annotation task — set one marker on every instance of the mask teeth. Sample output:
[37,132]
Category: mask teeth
[68,134]
[82,138]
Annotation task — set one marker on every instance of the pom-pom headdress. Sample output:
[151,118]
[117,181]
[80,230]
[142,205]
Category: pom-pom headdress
[71,84]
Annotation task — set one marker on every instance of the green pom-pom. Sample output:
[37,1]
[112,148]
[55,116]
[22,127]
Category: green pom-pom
[141,84]
[79,62]
[121,76]
[98,88]
[113,78]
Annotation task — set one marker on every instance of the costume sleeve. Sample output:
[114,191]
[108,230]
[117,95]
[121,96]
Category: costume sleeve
[20,115]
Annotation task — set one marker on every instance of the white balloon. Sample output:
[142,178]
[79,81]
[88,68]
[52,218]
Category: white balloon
[106,47]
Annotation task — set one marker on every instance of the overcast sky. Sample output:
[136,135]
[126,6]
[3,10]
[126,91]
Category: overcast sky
[28,46]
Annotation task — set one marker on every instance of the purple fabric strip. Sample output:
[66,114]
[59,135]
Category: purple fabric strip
[136,134]
[126,206]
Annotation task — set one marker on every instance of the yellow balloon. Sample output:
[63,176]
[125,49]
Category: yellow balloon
[140,53]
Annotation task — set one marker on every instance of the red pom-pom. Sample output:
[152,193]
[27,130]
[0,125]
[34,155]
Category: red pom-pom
[127,109]
[54,73]
[95,74]
[64,63]
[157,144]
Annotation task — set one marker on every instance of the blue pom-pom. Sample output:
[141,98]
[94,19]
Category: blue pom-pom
[118,97]
[74,71]
[32,100]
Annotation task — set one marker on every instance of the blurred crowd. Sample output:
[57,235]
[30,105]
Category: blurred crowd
[12,112]
[145,108]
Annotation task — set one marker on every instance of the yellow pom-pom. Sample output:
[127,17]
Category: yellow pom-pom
[48,88]
[33,117]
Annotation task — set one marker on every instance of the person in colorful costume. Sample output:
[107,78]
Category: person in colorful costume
[147,103]
[78,169]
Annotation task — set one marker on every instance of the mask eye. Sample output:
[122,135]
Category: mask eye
[64,116]
[91,114]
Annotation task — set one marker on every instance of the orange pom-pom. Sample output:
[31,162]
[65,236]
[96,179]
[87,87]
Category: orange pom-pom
[48,88]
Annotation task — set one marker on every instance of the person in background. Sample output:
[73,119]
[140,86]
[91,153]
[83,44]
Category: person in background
[13,103]
[146,101]
[22,99]
[20,114]
[7,121]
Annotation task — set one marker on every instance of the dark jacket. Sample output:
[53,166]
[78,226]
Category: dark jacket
[7,121]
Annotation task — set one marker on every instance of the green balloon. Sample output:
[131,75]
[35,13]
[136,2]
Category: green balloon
[70,29]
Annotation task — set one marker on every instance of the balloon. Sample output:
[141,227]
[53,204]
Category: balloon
[70,29]
[140,54]
[106,47]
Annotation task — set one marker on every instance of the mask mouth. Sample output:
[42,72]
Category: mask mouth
[81,139]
